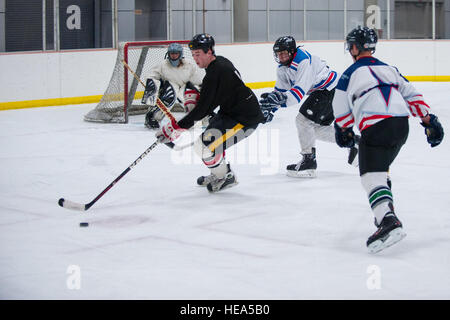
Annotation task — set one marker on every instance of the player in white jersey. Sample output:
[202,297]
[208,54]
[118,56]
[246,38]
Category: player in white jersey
[376,98]
[178,85]
[299,74]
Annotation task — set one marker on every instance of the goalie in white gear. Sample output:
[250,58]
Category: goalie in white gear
[175,81]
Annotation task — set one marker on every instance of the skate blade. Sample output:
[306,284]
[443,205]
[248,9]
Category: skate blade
[224,188]
[302,174]
[394,236]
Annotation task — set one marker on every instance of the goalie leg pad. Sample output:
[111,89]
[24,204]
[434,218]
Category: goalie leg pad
[149,92]
[167,94]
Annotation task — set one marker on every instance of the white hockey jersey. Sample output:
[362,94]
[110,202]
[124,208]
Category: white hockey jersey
[305,74]
[178,76]
[370,91]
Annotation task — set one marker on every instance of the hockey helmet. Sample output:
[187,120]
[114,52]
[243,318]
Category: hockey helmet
[203,41]
[174,48]
[285,43]
[364,38]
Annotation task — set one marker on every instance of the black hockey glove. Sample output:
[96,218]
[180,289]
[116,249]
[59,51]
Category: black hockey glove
[434,131]
[150,90]
[275,99]
[270,102]
[345,138]
[267,111]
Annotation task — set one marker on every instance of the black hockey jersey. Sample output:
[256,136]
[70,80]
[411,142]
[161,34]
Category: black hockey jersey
[222,86]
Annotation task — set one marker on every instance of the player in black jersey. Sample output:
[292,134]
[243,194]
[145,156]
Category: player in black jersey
[238,116]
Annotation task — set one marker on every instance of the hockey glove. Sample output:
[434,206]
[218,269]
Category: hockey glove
[275,99]
[345,138]
[434,131]
[270,102]
[169,132]
[150,90]
[267,111]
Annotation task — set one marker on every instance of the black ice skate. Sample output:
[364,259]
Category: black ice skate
[204,180]
[306,168]
[353,153]
[389,232]
[219,184]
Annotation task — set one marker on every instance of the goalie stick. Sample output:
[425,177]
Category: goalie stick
[159,104]
[84,207]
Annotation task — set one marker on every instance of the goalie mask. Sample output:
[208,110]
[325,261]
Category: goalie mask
[174,48]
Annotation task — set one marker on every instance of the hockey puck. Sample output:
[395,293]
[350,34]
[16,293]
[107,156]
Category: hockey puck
[61,202]
[84,224]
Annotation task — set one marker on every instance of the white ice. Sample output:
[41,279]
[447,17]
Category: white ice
[157,235]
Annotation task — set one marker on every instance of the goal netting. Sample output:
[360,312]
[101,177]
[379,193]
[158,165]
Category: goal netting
[123,96]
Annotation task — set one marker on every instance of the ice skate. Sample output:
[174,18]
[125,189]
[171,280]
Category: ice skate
[306,168]
[219,184]
[389,232]
[205,180]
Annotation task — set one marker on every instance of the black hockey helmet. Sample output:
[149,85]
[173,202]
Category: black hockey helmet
[202,41]
[174,48]
[364,38]
[285,43]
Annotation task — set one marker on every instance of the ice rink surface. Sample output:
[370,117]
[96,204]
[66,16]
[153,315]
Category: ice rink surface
[157,235]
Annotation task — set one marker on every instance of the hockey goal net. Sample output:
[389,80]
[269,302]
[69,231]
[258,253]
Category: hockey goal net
[123,96]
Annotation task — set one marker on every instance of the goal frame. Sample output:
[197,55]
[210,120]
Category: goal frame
[127,45]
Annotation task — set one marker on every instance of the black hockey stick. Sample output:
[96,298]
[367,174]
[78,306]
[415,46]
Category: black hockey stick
[83,207]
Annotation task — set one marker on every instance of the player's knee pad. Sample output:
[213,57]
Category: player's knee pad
[210,158]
